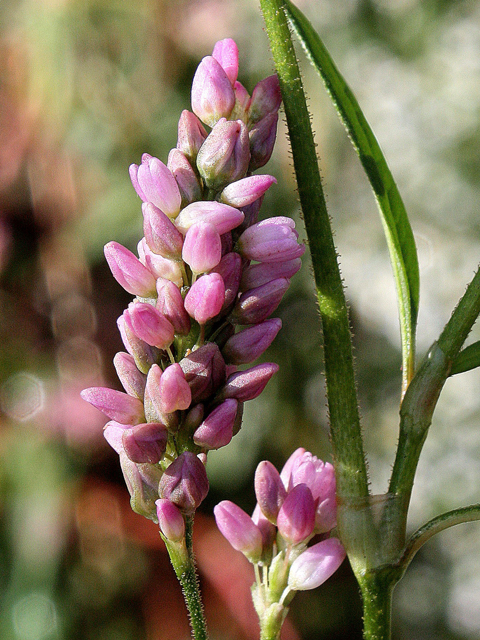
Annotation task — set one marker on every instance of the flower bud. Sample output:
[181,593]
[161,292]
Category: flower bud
[205,298]
[160,267]
[269,490]
[268,531]
[286,472]
[154,183]
[202,249]
[142,494]
[113,434]
[149,324]
[153,399]
[256,305]
[223,217]
[242,100]
[161,234]
[248,384]
[216,430]
[170,520]
[266,99]
[145,442]
[239,529]
[174,391]
[116,405]
[225,53]
[140,350]
[170,305]
[262,138]
[184,482]
[185,176]
[204,371]
[272,240]
[230,268]
[255,275]
[247,190]
[212,93]
[225,155]
[132,379]
[316,564]
[191,135]
[128,271]
[247,345]
[296,517]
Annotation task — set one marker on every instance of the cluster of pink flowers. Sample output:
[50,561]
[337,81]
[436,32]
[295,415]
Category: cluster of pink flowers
[206,279]
[293,507]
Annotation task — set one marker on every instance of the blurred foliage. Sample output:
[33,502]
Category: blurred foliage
[86,86]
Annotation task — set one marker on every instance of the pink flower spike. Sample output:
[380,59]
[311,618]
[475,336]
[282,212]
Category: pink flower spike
[191,135]
[247,190]
[296,518]
[226,53]
[316,564]
[239,529]
[145,442]
[128,271]
[247,345]
[132,379]
[248,384]
[149,324]
[170,305]
[184,482]
[161,234]
[170,520]
[269,490]
[118,406]
[216,430]
[222,216]
[212,92]
[156,184]
[174,391]
[205,298]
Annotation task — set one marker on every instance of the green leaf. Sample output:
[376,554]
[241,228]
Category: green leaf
[398,232]
[467,359]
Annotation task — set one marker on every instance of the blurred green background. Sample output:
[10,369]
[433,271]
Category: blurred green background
[86,86]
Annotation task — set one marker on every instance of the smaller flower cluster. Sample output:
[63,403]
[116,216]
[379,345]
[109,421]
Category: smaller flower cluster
[293,507]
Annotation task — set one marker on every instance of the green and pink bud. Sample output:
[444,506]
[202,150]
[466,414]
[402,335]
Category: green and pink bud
[170,520]
[145,442]
[184,483]
[254,306]
[191,135]
[132,379]
[239,529]
[185,176]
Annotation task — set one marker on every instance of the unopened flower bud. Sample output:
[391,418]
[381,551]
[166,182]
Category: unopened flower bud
[202,249]
[185,176]
[128,271]
[160,267]
[286,472]
[247,345]
[170,305]
[132,379]
[204,371]
[154,183]
[248,384]
[266,99]
[225,53]
[212,93]
[174,392]
[268,531]
[316,564]
[116,405]
[257,304]
[271,240]
[255,275]
[242,101]
[262,141]
[230,268]
[140,350]
[239,529]
[245,191]
[222,216]
[205,298]
[170,520]
[149,324]
[296,517]
[161,234]
[269,490]
[145,442]
[184,482]
[191,135]
[216,430]
[142,494]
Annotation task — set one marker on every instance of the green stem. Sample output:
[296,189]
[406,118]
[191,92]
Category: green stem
[183,561]
[376,591]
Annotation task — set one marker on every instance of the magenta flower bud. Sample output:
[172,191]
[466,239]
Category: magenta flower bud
[216,430]
[286,472]
[212,92]
[247,190]
[256,305]
[145,442]
[128,271]
[326,515]
[262,141]
[161,234]
[149,324]
[205,298]
[194,418]
[222,216]
[204,371]
[154,183]
[184,482]
[247,345]
[152,398]
[296,517]
[170,305]
[191,135]
[316,564]
[242,101]
[267,529]
[174,390]
[185,176]
[225,53]
[266,99]
[270,241]
[140,350]
[113,433]
[230,268]
[160,267]
[225,155]
[256,275]
[132,379]
[269,490]
[248,384]
[170,520]
[239,529]
[118,406]
[202,249]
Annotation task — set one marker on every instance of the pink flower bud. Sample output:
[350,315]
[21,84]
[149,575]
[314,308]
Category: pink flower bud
[256,305]
[160,267]
[204,371]
[239,529]
[286,471]
[242,101]
[270,241]
[140,350]
[145,442]
[113,433]
[225,155]
[149,324]
[191,135]
[170,520]
[154,183]
[216,430]
[205,298]
[269,490]
[161,234]
[255,275]
[296,517]
[153,398]
[223,217]
[185,176]
[128,271]
[170,305]
[248,384]
[266,99]
[202,249]
[262,141]
[194,418]
[116,405]
[316,564]
[247,345]
[230,268]
[184,482]
[174,390]
[142,482]
[267,529]
[225,53]
[132,379]
[212,93]
[247,190]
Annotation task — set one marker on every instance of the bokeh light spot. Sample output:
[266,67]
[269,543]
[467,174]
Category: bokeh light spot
[34,617]
[22,396]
